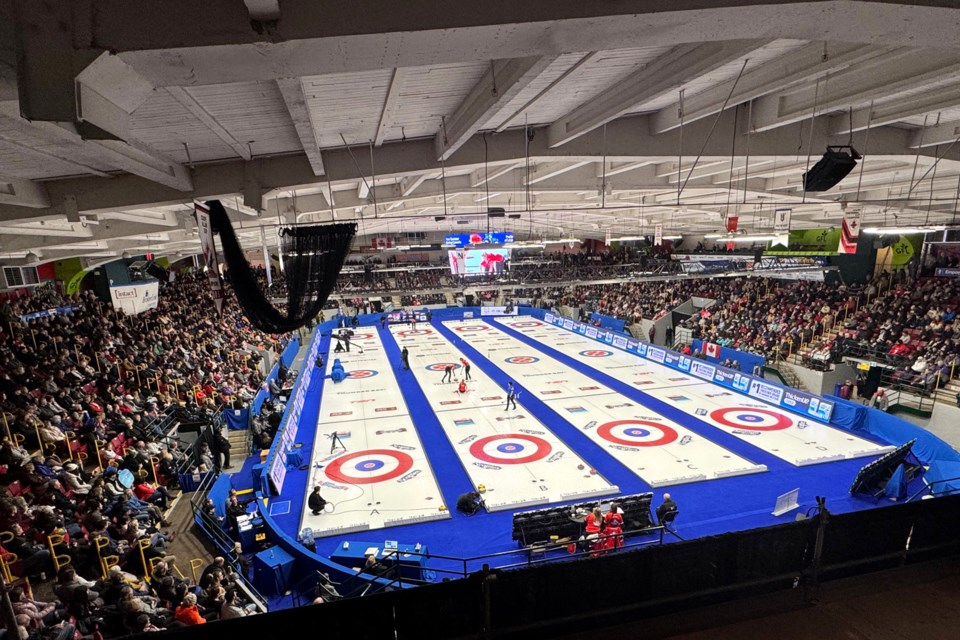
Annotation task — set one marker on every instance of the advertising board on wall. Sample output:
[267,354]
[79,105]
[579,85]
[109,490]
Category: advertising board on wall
[135,298]
[790,399]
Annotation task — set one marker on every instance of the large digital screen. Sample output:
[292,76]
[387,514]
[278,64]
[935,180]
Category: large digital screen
[476,262]
[466,239]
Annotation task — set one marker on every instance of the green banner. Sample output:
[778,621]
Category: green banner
[815,240]
[72,285]
[905,248]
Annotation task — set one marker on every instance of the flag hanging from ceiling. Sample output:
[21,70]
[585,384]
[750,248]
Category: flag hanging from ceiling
[212,267]
[781,226]
[849,232]
[658,235]
[732,222]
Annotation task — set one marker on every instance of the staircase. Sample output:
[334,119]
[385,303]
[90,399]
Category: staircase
[239,447]
[789,376]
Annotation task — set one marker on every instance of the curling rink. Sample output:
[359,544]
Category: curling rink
[791,437]
[661,452]
[519,461]
[384,478]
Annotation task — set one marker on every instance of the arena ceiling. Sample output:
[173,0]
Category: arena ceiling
[116,114]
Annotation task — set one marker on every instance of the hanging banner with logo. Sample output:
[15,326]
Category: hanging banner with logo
[781,220]
[209,254]
[781,227]
[849,232]
[658,235]
[135,298]
[732,223]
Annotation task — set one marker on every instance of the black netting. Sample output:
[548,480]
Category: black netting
[313,257]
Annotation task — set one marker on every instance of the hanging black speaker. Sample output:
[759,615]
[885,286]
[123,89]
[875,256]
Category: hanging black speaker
[833,167]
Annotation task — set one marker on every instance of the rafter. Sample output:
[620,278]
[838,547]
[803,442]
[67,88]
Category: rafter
[671,70]
[189,101]
[296,102]
[498,86]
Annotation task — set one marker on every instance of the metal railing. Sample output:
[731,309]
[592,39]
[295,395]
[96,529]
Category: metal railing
[213,528]
[390,569]
[928,488]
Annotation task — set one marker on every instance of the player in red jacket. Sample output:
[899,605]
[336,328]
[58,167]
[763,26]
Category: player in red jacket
[613,527]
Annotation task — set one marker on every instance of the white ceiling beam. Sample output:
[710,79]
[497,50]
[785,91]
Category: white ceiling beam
[552,170]
[6,139]
[296,102]
[627,140]
[876,79]
[189,101]
[617,169]
[927,102]
[498,86]
[130,156]
[480,177]
[550,87]
[807,63]
[24,193]
[410,184]
[390,103]
[363,189]
[943,133]
[671,70]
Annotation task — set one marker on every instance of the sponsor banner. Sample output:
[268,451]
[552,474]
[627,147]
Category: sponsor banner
[656,354]
[135,298]
[591,332]
[702,369]
[766,391]
[509,310]
[791,399]
[948,272]
[657,235]
[46,313]
[549,317]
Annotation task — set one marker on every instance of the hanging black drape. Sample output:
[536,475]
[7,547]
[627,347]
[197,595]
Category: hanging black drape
[313,257]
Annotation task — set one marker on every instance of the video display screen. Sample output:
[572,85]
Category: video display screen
[476,262]
[465,239]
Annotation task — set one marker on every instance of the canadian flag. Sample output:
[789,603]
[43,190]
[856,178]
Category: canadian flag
[711,349]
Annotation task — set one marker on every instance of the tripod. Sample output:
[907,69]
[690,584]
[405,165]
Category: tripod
[335,442]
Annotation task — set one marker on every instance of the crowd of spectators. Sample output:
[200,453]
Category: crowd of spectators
[769,317]
[83,465]
[913,327]
[548,267]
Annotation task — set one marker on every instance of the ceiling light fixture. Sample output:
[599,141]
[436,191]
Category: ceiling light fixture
[888,231]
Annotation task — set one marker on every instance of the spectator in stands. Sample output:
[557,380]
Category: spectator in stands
[188,613]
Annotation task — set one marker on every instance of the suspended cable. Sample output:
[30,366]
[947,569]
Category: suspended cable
[813,118]
[866,144]
[712,127]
